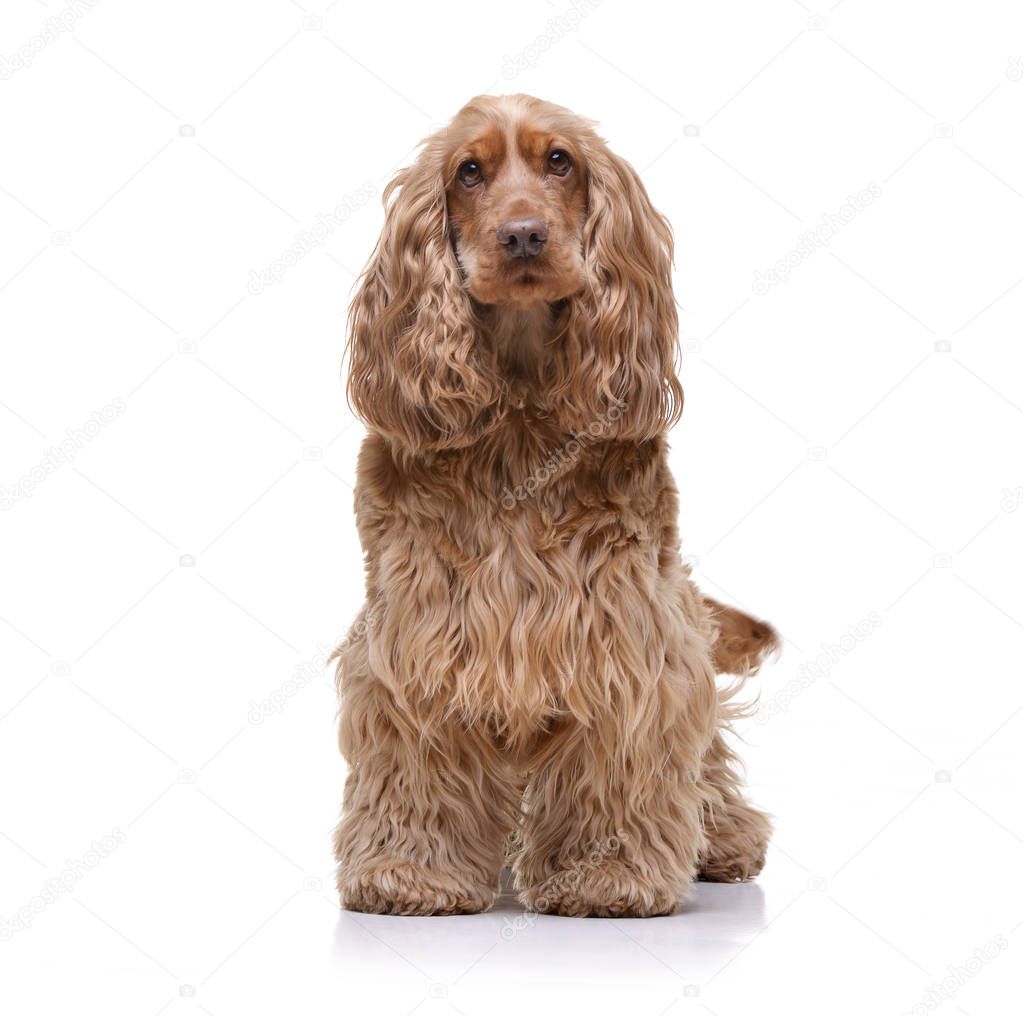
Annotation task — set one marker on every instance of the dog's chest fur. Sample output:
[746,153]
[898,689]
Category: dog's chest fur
[493,571]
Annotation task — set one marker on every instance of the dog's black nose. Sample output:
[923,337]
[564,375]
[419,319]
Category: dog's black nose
[522,238]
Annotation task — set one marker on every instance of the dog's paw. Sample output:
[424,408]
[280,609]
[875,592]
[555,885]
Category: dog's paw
[737,838]
[731,869]
[404,888]
[609,888]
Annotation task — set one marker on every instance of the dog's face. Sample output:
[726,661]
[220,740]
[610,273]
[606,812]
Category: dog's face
[517,200]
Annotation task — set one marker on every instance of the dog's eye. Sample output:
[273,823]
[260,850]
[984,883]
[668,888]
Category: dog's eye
[470,173]
[559,162]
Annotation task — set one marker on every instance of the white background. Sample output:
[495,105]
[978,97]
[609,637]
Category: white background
[851,444]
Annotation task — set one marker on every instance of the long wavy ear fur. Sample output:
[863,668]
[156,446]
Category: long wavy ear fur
[614,365]
[418,373]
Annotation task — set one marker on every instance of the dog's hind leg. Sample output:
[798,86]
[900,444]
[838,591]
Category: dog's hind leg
[737,833]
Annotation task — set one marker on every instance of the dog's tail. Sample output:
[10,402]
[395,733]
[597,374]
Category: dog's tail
[743,643]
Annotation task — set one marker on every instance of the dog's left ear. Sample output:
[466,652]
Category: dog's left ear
[615,365]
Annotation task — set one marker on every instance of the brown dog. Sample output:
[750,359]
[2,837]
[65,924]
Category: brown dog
[533,665]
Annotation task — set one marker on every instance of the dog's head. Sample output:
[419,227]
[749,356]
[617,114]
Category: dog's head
[516,204]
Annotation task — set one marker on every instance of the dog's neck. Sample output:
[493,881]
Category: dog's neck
[520,332]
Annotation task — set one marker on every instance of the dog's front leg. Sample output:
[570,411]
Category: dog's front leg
[427,807]
[613,811]
[609,832]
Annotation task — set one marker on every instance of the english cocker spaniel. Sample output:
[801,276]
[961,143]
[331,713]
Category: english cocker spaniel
[532,678]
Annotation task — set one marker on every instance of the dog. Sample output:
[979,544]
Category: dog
[532,677]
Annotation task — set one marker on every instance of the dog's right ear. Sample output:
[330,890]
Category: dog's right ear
[418,373]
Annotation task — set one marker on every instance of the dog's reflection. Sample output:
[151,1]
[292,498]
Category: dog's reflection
[690,946]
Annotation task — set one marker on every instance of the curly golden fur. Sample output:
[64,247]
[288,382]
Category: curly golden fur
[532,678]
